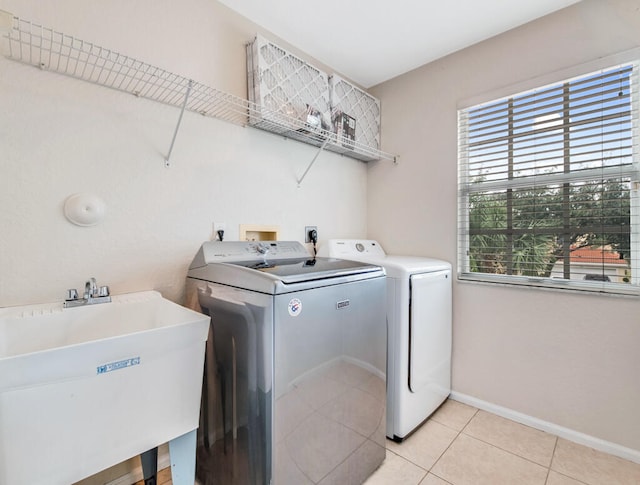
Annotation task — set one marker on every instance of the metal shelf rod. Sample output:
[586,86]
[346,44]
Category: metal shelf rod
[167,161]
[313,161]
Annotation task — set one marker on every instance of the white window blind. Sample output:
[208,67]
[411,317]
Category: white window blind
[549,186]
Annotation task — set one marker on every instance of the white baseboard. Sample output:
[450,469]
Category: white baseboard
[566,433]
[136,474]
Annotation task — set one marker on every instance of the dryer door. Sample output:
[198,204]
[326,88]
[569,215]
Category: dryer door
[430,332]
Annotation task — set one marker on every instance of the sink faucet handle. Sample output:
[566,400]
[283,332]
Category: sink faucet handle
[72,294]
[104,291]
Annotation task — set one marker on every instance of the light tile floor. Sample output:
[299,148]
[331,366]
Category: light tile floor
[461,445]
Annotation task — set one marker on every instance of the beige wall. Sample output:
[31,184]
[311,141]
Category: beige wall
[572,360]
[60,136]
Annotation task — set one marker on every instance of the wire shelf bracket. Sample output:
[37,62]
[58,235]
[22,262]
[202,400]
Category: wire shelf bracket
[167,161]
[47,49]
[322,147]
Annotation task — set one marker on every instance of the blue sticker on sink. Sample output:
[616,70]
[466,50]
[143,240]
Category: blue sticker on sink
[121,364]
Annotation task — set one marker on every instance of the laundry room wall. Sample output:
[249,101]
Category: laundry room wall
[60,136]
[567,359]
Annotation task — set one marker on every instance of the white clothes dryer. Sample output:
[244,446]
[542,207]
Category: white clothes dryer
[419,315]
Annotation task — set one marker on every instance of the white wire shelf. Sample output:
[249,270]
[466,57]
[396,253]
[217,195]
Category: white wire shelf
[54,51]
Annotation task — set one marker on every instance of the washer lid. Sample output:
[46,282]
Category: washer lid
[308,269]
[274,267]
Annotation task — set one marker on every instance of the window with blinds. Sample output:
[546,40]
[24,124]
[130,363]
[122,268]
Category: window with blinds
[549,186]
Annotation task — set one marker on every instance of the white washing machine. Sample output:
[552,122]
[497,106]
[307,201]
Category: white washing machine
[419,322]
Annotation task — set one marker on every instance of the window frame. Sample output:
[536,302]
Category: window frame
[632,171]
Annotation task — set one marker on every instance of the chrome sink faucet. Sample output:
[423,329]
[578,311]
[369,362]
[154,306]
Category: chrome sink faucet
[93,294]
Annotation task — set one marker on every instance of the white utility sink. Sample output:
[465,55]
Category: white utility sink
[82,389]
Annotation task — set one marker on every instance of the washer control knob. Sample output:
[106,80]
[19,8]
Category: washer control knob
[262,248]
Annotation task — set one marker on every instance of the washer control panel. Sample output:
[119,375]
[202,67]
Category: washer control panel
[238,251]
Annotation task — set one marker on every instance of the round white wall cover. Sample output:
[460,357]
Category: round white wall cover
[84,209]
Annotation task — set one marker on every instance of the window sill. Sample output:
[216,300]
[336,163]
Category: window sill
[564,286]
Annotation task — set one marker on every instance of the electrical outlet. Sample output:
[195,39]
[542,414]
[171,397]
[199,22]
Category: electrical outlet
[218,226]
[307,230]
